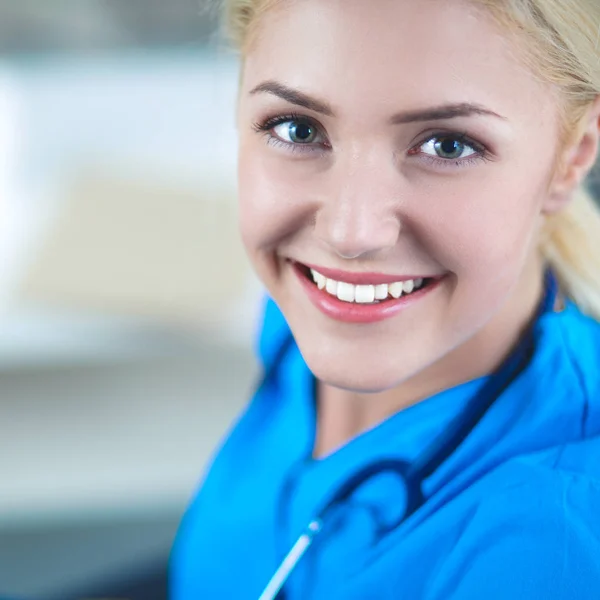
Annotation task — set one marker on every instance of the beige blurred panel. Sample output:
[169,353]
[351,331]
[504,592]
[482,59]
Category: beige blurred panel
[133,248]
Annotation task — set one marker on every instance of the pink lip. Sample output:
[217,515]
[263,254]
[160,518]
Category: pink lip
[349,312]
[364,278]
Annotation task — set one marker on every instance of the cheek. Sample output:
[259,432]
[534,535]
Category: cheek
[476,226]
[258,201]
[274,201]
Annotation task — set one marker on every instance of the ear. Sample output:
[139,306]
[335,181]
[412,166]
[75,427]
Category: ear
[576,162]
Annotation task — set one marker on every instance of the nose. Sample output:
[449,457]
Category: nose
[359,215]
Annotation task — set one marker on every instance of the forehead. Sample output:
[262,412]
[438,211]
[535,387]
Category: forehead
[386,51]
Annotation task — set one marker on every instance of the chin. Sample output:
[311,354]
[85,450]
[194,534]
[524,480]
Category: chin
[359,374]
[358,382]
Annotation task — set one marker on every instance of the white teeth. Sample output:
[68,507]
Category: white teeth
[319,279]
[381,291]
[396,289]
[408,286]
[331,286]
[365,294]
[346,291]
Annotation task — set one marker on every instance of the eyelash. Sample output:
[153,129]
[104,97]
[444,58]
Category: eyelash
[267,126]
[481,152]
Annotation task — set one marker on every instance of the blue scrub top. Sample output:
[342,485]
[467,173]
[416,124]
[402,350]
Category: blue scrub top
[513,513]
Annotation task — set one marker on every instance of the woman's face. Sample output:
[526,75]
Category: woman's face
[383,143]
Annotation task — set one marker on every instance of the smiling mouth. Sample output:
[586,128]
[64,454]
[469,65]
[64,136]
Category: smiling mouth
[365,294]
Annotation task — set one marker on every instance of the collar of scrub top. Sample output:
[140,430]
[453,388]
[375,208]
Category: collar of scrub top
[413,474]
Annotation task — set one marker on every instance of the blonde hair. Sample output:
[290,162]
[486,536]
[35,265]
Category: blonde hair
[561,39]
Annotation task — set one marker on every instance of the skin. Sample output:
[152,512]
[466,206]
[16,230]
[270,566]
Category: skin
[366,195]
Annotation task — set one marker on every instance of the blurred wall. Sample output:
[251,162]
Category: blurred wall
[84,26]
[127,307]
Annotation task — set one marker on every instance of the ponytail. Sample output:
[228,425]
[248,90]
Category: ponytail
[571,246]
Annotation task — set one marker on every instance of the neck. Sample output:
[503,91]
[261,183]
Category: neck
[342,414]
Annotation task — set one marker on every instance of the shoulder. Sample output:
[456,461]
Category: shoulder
[569,366]
[532,529]
[538,538]
[579,335]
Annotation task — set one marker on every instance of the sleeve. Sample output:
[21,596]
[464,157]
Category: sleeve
[537,540]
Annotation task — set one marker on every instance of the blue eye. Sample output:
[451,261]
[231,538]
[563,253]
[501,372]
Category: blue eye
[296,132]
[449,147]
[293,131]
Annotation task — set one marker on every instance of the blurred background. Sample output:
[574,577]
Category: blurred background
[127,309]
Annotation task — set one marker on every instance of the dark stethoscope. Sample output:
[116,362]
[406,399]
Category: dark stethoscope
[414,474]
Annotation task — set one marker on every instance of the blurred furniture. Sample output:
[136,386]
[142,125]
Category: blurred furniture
[104,433]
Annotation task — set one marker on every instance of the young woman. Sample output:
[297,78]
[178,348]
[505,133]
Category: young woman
[411,188]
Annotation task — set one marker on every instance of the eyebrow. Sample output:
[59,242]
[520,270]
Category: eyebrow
[435,113]
[294,97]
